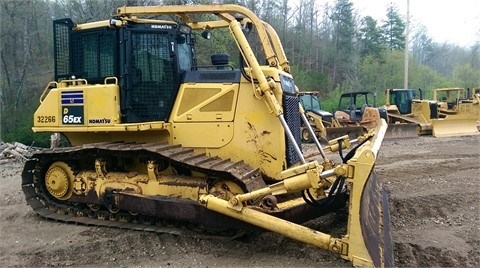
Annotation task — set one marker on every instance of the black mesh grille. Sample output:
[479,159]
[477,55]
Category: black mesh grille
[61,30]
[292,117]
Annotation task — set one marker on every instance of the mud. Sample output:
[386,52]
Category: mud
[435,218]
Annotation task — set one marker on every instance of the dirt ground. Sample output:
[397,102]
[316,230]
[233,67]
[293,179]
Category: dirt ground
[434,204]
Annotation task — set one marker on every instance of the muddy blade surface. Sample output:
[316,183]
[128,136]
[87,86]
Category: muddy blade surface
[352,131]
[375,221]
[406,130]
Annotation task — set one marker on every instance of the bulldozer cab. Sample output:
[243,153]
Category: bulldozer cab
[354,103]
[149,64]
[402,98]
[449,98]
[309,101]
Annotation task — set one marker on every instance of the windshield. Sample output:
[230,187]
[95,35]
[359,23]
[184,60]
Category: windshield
[403,100]
[310,102]
[185,55]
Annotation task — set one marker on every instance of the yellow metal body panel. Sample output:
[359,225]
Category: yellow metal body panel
[79,106]
[48,114]
[79,138]
[206,102]
[207,134]
[421,111]
[258,135]
[254,137]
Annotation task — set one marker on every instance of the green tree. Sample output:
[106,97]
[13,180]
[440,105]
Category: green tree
[370,38]
[393,29]
[466,76]
[343,38]
[424,77]
[372,71]
[26,66]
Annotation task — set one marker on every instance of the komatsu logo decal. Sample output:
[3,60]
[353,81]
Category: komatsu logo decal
[161,26]
[72,97]
[99,121]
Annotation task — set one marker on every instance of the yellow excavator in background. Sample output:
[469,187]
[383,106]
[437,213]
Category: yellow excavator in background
[457,113]
[158,138]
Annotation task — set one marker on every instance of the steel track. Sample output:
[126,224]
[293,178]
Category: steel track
[186,159]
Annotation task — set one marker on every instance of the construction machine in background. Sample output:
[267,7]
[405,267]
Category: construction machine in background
[457,113]
[408,114]
[159,140]
[359,108]
[323,123]
[357,112]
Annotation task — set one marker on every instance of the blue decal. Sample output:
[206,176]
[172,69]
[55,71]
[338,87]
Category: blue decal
[72,97]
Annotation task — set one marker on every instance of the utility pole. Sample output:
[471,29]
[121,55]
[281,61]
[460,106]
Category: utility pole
[407,32]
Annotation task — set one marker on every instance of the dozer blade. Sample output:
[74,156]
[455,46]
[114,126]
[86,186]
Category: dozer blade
[368,241]
[402,130]
[454,127]
[368,231]
[375,224]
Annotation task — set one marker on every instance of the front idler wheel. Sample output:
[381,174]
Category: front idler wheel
[59,180]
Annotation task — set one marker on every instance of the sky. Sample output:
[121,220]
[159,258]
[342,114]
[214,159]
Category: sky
[455,22]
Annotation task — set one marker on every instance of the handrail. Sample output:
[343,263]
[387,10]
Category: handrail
[111,78]
[51,84]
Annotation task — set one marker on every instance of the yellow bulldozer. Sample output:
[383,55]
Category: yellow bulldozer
[457,113]
[158,139]
[449,113]
[355,115]
[408,114]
